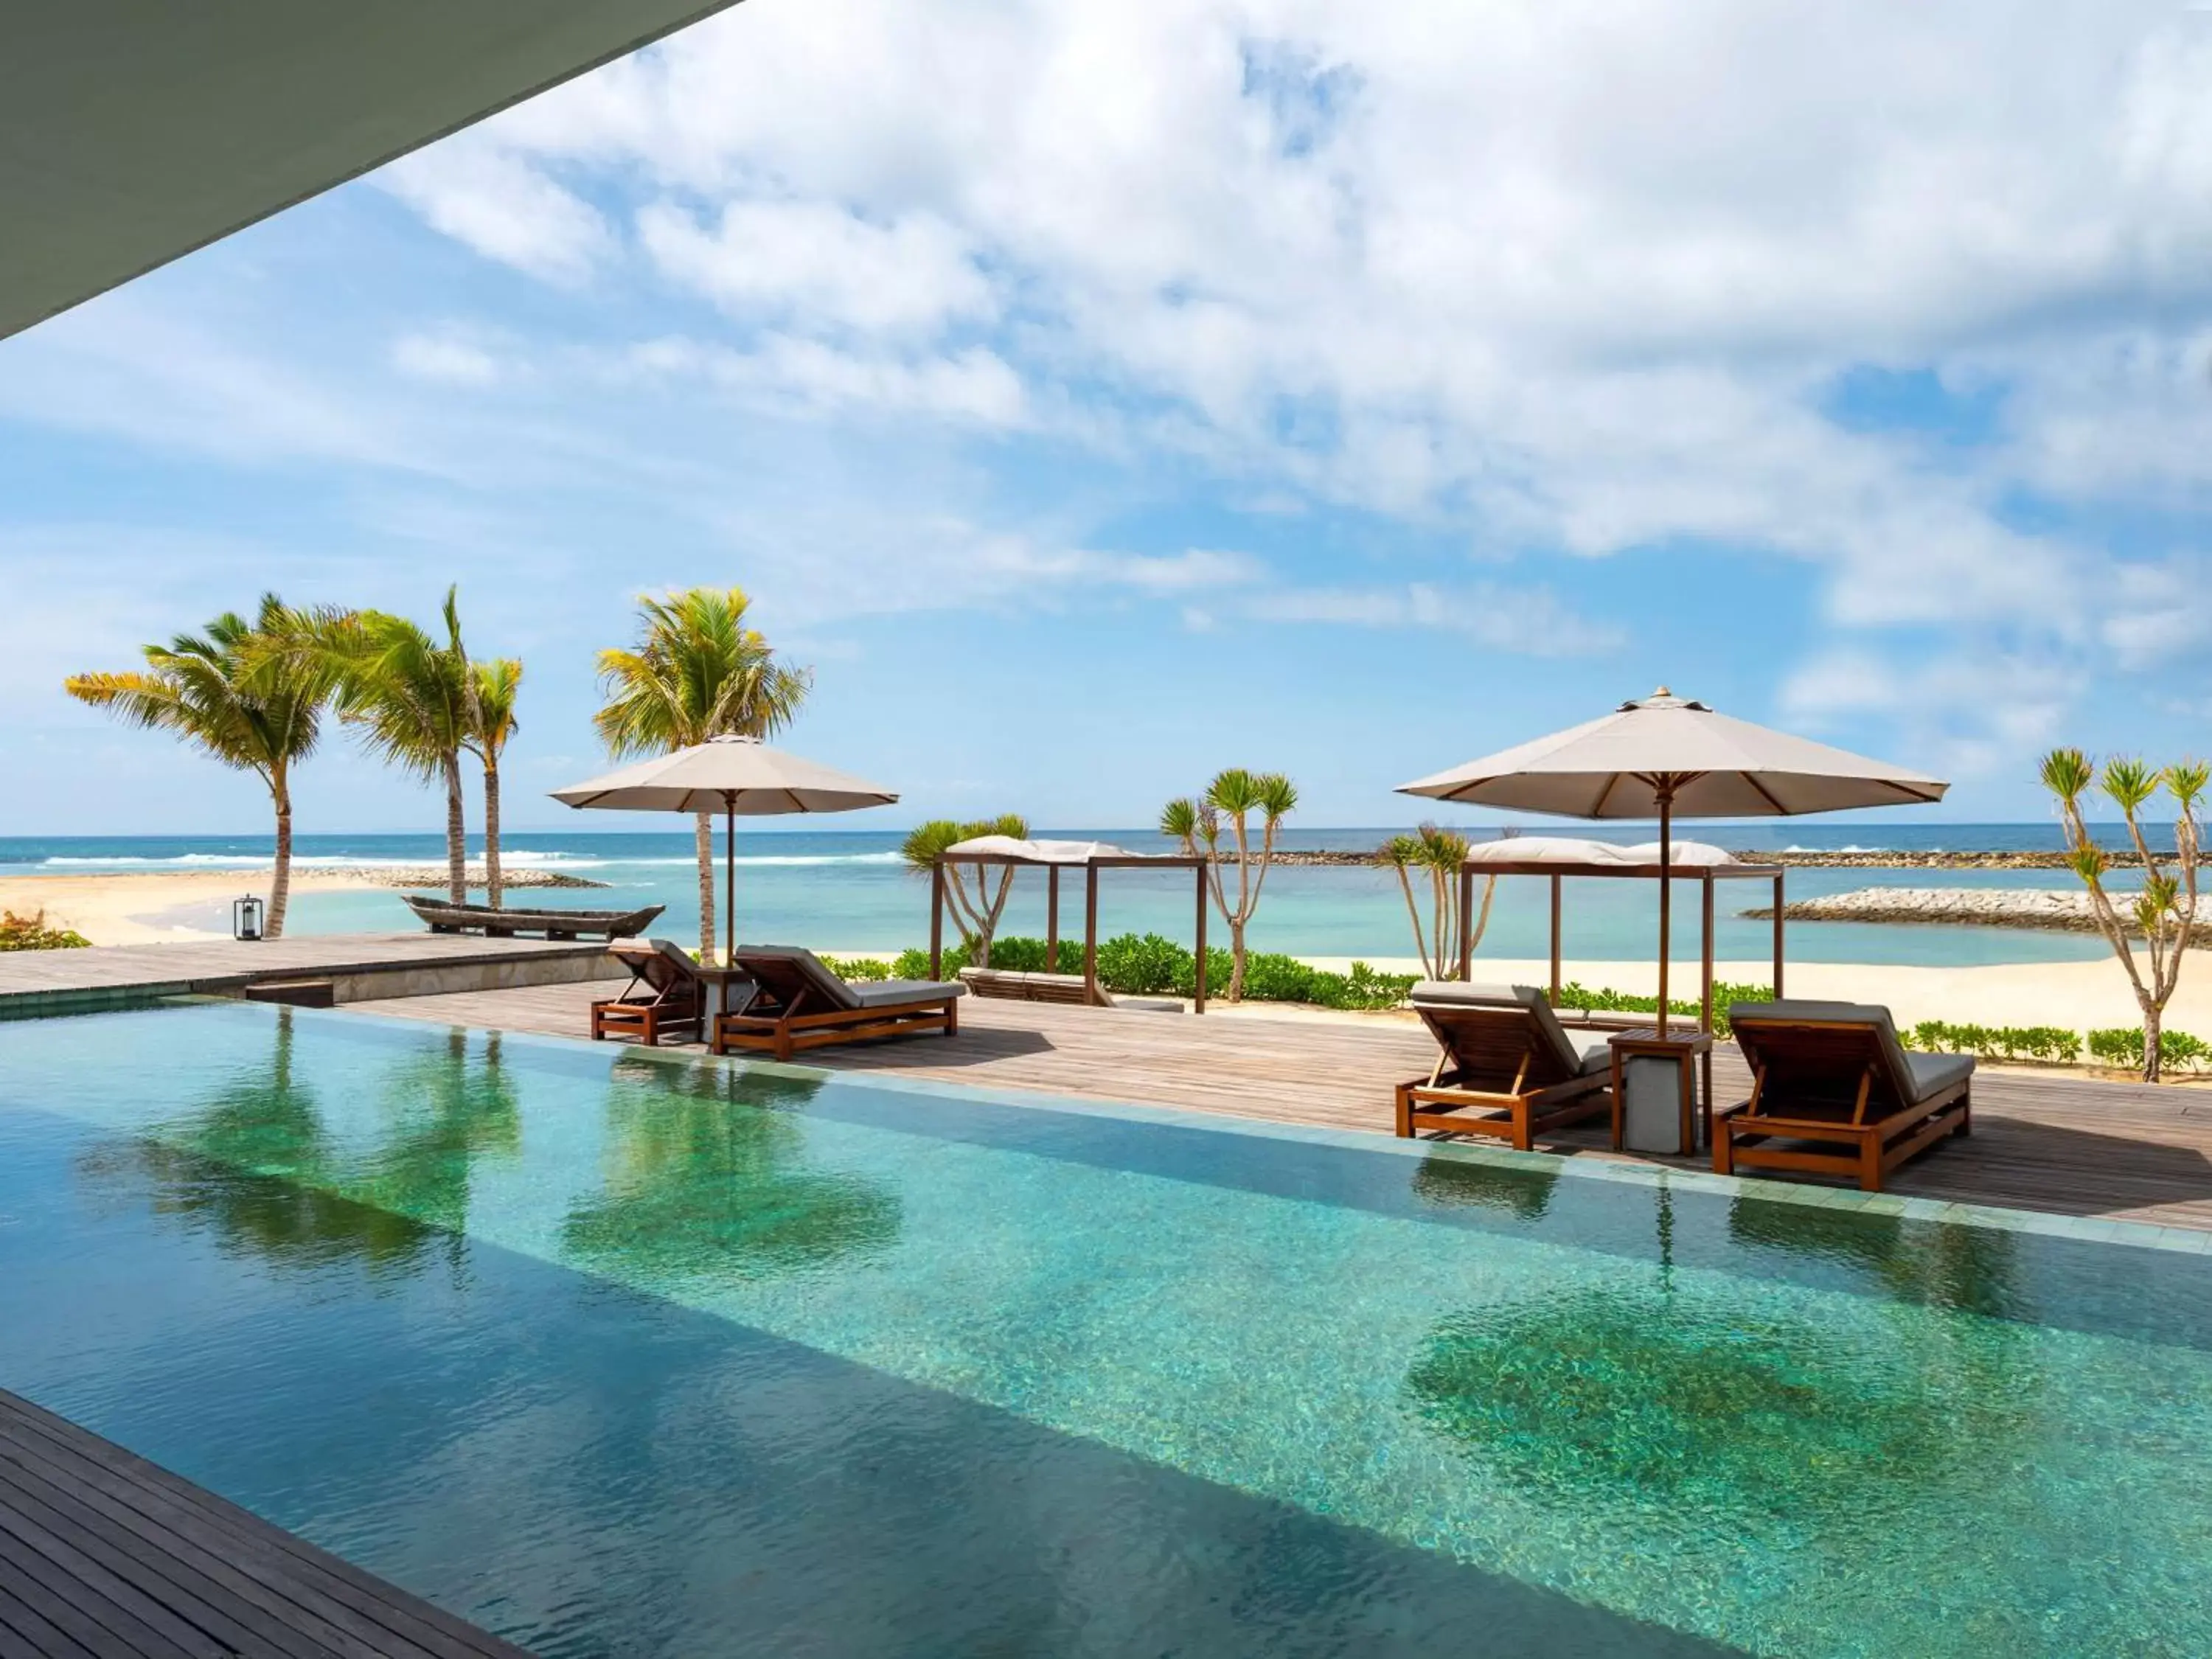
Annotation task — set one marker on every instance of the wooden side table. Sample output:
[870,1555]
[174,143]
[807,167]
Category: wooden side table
[1682,1049]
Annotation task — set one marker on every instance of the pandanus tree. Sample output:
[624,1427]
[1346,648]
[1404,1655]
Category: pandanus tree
[241,692]
[697,672]
[2162,915]
[1196,825]
[494,686]
[1437,854]
[976,915]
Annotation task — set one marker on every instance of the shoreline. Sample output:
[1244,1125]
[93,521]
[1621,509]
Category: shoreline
[134,907]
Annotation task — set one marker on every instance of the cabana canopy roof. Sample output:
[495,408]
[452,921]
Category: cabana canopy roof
[1097,854]
[1012,848]
[1574,856]
[132,131]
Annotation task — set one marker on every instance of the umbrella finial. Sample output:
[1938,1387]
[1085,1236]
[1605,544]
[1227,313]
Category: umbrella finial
[1662,692]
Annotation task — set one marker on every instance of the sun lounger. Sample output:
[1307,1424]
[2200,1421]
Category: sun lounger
[1506,1068]
[799,1004]
[1833,1075]
[665,997]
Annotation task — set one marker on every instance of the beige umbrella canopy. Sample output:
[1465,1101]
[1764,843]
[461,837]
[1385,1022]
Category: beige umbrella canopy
[737,777]
[1664,756]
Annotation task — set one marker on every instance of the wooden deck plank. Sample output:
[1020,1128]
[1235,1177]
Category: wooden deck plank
[177,1544]
[100,1550]
[291,1560]
[2058,1143]
[26,1634]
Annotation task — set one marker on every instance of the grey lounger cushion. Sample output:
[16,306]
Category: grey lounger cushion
[1516,999]
[883,993]
[1925,1074]
[846,994]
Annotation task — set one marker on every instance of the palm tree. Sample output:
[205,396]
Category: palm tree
[1232,797]
[241,695]
[494,685]
[697,672]
[1439,853]
[410,696]
[977,917]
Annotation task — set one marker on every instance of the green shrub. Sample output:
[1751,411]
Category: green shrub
[1146,964]
[2123,1046]
[31,933]
[1026,956]
[862,968]
[2048,1043]
[1149,965]
[1607,1000]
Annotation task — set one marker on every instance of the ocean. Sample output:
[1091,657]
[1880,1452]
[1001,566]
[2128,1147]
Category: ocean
[847,890]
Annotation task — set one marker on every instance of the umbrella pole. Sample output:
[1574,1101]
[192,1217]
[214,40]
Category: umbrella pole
[729,879]
[1666,892]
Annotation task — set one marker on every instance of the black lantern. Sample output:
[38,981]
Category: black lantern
[245,917]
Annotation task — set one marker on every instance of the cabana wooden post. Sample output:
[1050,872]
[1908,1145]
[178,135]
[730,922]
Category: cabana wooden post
[1092,992]
[1704,875]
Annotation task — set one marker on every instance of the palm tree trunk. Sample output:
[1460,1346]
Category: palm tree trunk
[1237,959]
[492,888]
[704,829]
[2153,1025]
[457,834]
[280,882]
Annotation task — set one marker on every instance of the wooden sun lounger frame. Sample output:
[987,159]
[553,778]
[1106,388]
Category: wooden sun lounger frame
[800,1023]
[663,1016]
[1875,1146]
[1440,1102]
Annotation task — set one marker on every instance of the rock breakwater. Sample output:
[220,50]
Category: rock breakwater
[2057,910]
[433,877]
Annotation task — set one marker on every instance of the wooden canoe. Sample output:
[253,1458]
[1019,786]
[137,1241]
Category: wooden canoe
[442,916]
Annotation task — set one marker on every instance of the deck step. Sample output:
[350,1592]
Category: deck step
[296,992]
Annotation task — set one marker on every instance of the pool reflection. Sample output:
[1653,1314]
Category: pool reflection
[706,1179]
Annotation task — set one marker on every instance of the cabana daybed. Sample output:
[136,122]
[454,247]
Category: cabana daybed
[1053,856]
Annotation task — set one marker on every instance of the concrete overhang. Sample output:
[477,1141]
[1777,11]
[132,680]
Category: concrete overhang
[132,131]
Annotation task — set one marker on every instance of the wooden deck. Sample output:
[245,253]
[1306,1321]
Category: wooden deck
[2058,1143]
[106,1556]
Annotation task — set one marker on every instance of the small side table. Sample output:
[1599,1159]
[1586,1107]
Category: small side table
[729,991]
[1636,1056]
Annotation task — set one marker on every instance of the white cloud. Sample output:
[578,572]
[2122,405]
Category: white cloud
[122,366]
[1530,621]
[815,266]
[444,359]
[972,384]
[500,203]
[1973,713]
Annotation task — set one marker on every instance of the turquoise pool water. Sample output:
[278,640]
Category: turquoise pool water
[619,1353]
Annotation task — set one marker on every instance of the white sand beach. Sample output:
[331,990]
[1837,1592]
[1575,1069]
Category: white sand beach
[2072,995]
[155,907]
[152,909]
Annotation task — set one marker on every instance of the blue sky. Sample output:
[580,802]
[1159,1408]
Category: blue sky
[1096,399]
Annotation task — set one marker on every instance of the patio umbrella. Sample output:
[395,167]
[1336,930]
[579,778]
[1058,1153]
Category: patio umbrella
[1664,756]
[737,777]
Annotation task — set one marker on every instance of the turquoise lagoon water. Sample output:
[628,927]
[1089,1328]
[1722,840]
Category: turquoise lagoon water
[624,1353]
[847,890]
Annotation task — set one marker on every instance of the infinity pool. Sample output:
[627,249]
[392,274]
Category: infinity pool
[617,1353]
